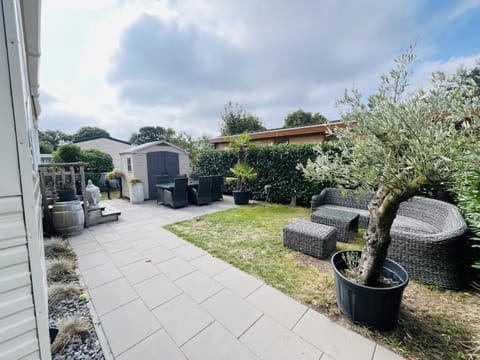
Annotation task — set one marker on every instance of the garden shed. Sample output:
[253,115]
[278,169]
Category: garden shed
[148,160]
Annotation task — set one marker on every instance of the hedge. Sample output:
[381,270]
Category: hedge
[275,165]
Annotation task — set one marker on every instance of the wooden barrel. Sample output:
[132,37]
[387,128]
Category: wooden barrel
[68,217]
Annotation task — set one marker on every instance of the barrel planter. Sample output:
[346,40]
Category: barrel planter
[136,193]
[68,217]
[373,307]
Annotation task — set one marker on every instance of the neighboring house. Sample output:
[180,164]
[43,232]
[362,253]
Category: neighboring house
[23,289]
[106,144]
[296,135]
[148,160]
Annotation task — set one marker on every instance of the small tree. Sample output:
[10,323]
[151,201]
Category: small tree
[399,144]
[235,120]
[301,118]
[68,153]
[88,132]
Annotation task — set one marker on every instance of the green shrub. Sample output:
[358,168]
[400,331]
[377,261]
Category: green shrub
[98,161]
[68,153]
[275,165]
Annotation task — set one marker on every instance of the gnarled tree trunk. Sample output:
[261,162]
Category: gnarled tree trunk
[383,209]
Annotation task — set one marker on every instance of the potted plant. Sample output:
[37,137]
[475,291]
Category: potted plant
[243,173]
[66,192]
[395,144]
[136,190]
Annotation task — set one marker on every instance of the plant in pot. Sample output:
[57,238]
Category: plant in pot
[243,173]
[396,143]
[66,192]
[136,190]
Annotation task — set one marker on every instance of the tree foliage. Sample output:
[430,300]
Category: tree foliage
[400,143]
[301,118]
[236,120]
[88,132]
[45,147]
[151,133]
[53,137]
[98,161]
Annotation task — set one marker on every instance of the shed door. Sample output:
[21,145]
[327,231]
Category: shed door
[159,163]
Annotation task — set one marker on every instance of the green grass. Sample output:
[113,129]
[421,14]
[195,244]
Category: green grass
[250,238]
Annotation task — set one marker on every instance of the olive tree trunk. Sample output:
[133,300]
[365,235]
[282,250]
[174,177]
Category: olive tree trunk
[383,209]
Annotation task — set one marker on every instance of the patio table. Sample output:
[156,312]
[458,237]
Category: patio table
[171,185]
[344,221]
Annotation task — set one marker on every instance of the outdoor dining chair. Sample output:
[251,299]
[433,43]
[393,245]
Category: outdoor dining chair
[217,187]
[203,193]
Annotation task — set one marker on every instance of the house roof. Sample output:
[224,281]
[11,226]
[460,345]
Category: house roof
[138,148]
[101,137]
[281,132]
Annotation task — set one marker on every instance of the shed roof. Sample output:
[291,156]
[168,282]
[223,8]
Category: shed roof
[138,148]
[101,137]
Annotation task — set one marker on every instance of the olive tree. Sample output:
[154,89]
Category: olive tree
[397,143]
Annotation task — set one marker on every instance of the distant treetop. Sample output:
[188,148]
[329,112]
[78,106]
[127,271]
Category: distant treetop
[302,118]
[236,120]
[88,132]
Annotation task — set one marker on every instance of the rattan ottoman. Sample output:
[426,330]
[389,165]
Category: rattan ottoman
[343,221]
[312,239]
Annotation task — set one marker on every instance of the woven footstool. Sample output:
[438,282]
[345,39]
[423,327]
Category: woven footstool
[344,221]
[312,239]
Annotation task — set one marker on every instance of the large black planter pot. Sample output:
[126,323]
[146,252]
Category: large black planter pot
[370,306]
[241,197]
[66,195]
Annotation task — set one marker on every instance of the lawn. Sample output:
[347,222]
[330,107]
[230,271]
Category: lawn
[434,323]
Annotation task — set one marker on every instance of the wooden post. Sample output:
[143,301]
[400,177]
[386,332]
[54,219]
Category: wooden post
[82,180]
[72,177]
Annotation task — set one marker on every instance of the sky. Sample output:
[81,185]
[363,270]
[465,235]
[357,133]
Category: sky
[120,65]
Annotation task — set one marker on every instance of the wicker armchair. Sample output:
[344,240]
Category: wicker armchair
[177,197]
[428,239]
[203,194]
[346,200]
[217,187]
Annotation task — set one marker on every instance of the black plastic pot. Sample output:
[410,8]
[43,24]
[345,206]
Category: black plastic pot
[66,195]
[373,307]
[53,334]
[241,197]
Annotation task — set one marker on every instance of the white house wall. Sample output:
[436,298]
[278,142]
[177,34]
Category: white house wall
[109,146]
[23,298]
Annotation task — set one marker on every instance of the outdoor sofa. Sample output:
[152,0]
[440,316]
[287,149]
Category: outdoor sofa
[428,236]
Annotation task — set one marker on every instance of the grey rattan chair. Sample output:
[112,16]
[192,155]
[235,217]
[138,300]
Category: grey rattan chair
[160,179]
[217,187]
[203,194]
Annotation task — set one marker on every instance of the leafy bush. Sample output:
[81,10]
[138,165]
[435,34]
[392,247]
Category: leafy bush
[98,161]
[68,153]
[275,165]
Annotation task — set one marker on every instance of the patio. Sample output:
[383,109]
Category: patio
[156,296]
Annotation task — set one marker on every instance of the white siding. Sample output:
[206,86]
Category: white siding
[109,146]
[23,300]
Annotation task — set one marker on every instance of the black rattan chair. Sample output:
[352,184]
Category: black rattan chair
[217,187]
[203,194]
[160,179]
[177,197]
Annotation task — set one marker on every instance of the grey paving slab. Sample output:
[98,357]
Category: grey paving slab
[232,311]
[157,290]
[198,285]
[333,338]
[92,260]
[158,346]
[86,248]
[126,257]
[145,244]
[382,353]
[277,305]
[238,281]
[182,318]
[210,265]
[171,241]
[101,274]
[158,254]
[189,252]
[139,271]
[269,340]
[175,268]
[83,238]
[116,246]
[216,343]
[133,235]
[107,237]
[128,325]
[112,295]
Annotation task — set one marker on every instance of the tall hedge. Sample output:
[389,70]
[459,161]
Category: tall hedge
[275,165]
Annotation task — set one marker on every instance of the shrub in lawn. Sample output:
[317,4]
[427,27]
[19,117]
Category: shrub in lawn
[55,247]
[60,269]
[58,292]
[69,329]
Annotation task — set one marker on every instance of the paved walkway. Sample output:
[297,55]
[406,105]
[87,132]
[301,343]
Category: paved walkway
[157,296]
